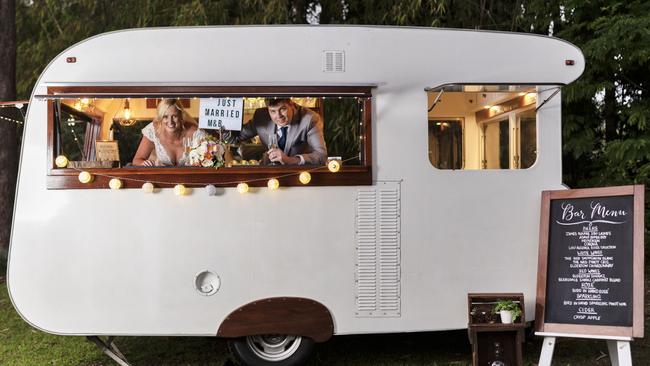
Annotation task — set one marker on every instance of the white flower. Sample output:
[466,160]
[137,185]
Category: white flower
[202,149]
[195,157]
[206,163]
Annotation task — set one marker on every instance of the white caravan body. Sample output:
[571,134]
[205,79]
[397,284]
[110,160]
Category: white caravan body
[103,262]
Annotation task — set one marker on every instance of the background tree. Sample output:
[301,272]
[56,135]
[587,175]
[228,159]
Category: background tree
[8,139]
[606,137]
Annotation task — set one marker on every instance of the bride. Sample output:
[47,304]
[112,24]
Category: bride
[166,135]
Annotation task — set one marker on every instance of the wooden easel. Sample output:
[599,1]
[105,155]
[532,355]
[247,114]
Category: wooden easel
[618,334]
[618,347]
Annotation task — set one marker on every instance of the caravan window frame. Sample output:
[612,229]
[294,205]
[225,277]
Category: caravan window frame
[67,178]
[484,114]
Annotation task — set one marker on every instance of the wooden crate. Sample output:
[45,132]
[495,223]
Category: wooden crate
[485,329]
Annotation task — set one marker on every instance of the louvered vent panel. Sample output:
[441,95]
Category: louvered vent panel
[333,61]
[378,251]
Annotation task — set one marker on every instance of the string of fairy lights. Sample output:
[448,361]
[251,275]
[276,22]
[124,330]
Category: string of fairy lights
[17,105]
[180,189]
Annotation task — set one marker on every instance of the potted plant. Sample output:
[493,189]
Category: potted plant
[508,309]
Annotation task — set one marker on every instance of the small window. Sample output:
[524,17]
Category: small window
[482,126]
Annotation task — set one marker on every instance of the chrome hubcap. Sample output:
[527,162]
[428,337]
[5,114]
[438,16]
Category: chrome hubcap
[273,347]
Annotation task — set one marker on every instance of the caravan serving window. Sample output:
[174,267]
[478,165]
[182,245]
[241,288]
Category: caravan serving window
[482,126]
[103,130]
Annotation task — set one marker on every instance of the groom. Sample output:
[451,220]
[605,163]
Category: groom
[299,132]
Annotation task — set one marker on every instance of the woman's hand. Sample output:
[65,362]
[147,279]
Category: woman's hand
[148,163]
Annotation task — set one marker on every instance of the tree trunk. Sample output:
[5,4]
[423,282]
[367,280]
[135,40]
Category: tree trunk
[611,119]
[8,140]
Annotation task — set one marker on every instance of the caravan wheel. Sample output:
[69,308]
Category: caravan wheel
[271,350]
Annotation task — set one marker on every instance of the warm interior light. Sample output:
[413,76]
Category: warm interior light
[127,110]
[487,107]
[126,113]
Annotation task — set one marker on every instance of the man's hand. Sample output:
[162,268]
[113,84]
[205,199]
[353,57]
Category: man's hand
[278,156]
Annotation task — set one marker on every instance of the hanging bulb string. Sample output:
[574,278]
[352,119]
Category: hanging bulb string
[11,120]
[320,167]
[18,105]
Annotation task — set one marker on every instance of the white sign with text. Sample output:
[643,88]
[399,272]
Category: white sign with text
[217,113]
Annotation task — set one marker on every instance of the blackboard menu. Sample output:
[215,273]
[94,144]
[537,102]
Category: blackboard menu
[591,261]
[589,278]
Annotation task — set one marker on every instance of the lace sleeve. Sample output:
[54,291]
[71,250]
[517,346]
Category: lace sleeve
[149,132]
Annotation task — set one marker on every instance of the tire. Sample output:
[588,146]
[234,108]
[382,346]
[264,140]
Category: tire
[271,350]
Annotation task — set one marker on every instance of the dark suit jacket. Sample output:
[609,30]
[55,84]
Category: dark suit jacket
[305,136]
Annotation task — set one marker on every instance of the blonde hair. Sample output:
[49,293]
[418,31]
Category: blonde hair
[163,106]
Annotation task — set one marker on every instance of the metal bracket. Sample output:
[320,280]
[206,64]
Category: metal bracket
[110,349]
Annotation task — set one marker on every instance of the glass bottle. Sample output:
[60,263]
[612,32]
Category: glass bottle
[497,360]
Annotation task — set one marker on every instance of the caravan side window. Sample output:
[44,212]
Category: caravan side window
[221,136]
[482,126]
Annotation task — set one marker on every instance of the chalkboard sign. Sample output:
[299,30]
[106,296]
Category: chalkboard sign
[590,275]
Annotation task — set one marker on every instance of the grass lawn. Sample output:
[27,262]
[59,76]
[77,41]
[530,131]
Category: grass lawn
[22,345]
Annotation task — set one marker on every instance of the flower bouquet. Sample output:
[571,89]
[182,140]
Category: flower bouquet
[208,153]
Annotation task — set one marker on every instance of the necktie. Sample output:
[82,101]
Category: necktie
[283,139]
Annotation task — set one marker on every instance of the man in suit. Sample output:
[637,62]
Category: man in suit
[299,132]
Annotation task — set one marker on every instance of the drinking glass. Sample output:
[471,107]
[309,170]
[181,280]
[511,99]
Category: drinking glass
[273,141]
[187,145]
[272,144]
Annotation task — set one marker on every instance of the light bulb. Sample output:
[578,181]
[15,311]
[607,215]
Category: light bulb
[115,183]
[211,190]
[334,166]
[304,177]
[179,190]
[61,161]
[85,177]
[147,187]
[273,184]
[242,188]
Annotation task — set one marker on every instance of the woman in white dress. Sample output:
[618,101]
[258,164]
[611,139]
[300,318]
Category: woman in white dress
[166,135]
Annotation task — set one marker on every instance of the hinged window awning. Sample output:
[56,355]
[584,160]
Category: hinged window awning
[104,92]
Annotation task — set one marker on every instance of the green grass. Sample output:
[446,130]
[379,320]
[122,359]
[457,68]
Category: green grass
[22,345]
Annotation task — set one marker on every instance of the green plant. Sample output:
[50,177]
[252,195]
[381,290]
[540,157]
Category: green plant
[508,305]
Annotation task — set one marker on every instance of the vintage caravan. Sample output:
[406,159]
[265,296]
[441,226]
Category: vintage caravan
[445,140]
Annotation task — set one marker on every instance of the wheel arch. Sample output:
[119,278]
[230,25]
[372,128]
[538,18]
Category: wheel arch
[279,315]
